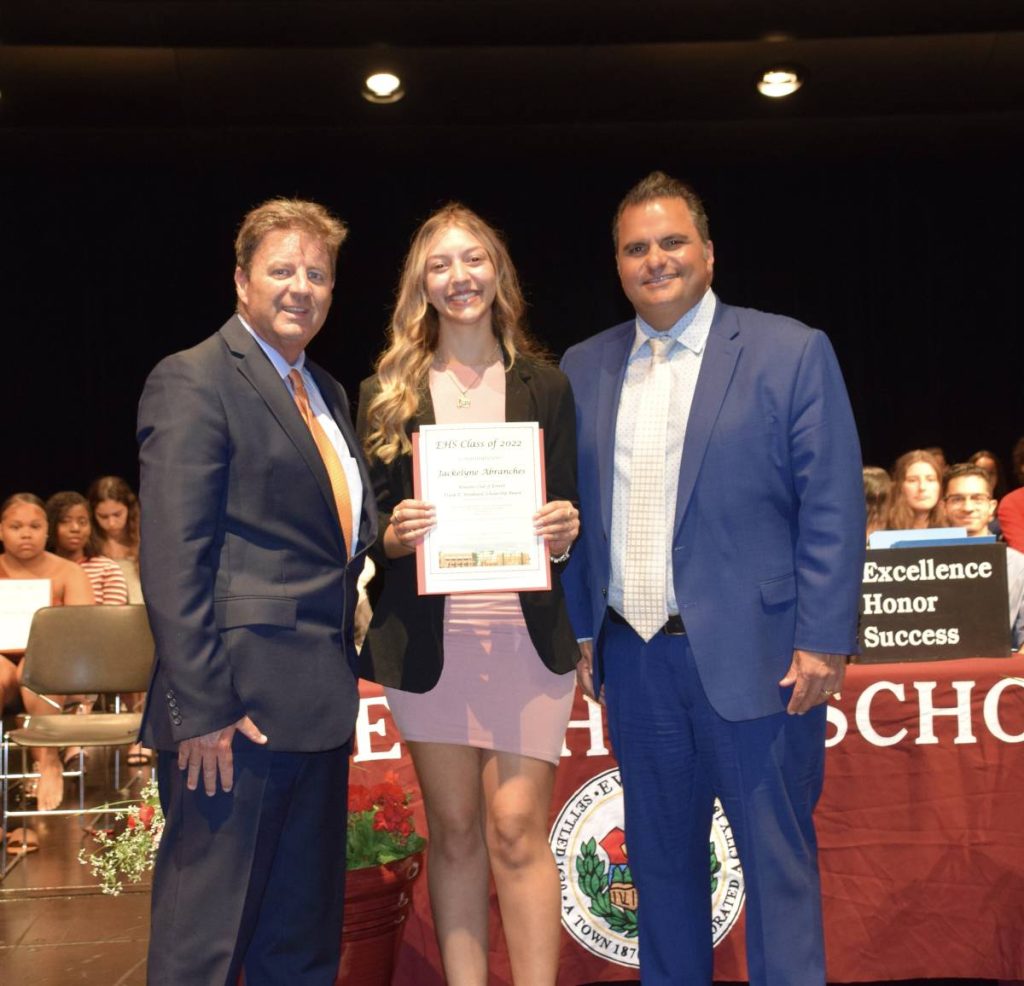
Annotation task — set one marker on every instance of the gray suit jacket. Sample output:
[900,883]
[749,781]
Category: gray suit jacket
[248,585]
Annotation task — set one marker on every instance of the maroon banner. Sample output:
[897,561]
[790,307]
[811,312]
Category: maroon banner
[920,831]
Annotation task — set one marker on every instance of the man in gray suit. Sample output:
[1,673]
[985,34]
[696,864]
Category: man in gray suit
[256,513]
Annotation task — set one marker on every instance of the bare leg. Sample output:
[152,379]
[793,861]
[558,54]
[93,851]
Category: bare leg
[517,799]
[50,787]
[457,872]
[8,682]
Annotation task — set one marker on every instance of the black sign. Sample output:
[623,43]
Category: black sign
[934,603]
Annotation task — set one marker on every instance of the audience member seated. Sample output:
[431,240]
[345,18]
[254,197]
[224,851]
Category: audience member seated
[115,519]
[877,489]
[71,537]
[939,455]
[988,461]
[23,534]
[970,504]
[1011,518]
[915,501]
[1017,458]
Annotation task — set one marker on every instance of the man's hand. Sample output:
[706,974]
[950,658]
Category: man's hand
[212,753]
[558,522]
[585,671]
[816,678]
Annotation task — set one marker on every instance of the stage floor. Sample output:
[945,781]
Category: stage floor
[56,927]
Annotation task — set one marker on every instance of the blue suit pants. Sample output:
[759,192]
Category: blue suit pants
[676,754]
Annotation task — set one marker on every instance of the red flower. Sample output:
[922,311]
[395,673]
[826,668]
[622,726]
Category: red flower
[131,821]
[388,792]
[146,813]
[359,798]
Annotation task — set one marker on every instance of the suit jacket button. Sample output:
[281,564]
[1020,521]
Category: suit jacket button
[170,694]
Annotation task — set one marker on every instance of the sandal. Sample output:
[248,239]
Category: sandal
[22,841]
[138,756]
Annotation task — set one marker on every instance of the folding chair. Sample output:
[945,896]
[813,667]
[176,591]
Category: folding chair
[74,650]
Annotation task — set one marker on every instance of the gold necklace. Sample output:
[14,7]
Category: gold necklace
[463,399]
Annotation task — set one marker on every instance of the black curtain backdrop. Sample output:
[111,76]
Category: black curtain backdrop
[911,266]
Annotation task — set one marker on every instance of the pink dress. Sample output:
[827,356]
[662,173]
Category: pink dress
[494,692]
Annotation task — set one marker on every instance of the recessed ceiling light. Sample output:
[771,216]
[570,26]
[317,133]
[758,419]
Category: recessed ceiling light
[383,87]
[779,82]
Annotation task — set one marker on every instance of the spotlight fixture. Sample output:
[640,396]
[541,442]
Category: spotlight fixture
[383,87]
[778,82]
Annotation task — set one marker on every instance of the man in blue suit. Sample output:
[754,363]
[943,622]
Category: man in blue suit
[717,576]
[256,514]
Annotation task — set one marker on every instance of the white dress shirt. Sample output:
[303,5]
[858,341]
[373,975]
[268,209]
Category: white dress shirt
[684,356]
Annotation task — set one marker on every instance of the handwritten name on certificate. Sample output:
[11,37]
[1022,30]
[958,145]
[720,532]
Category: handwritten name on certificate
[486,482]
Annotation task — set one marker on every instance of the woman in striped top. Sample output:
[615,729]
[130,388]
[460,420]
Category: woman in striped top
[71,538]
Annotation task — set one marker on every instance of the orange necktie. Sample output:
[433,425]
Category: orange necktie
[335,472]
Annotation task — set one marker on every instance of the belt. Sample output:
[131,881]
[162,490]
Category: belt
[673,625]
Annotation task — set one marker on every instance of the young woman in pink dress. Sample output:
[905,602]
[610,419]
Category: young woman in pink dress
[481,686]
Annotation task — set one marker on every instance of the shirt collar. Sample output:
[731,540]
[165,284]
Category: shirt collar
[282,365]
[690,331]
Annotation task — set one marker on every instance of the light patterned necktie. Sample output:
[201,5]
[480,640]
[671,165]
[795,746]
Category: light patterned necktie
[335,472]
[644,601]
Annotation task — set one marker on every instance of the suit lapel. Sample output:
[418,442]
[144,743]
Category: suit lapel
[609,389]
[723,349]
[259,371]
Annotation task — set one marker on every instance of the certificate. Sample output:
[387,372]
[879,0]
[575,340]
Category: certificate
[486,481]
[19,600]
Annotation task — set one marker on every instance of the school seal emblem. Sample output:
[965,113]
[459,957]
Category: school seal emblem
[599,898]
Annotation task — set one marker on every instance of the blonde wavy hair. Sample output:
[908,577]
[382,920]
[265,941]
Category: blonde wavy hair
[413,334]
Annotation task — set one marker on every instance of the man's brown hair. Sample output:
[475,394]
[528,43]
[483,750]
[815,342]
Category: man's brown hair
[300,214]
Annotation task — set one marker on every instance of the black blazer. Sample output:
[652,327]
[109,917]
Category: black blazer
[404,644]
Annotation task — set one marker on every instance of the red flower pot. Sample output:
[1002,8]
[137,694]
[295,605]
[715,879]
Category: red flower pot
[377,900]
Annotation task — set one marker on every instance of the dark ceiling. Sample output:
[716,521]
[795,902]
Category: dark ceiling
[882,75]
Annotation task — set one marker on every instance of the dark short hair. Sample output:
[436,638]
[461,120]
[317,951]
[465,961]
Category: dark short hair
[962,470]
[310,217]
[877,484]
[658,185]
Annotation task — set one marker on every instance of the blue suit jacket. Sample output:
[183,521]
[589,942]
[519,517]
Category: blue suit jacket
[248,586]
[768,543]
